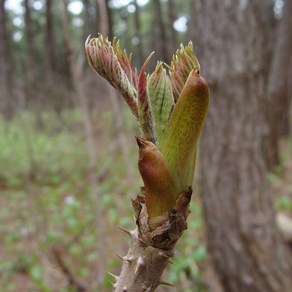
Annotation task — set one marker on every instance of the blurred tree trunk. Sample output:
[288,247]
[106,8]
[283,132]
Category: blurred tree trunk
[90,18]
[86,19]
[50,38]
[6,80]
[68,69]
[105,24]
[279,100]
[138,34]
[30,45]
[171,19]
[245,246]
[33,83]
[160,32]
[76,71]
[109,20]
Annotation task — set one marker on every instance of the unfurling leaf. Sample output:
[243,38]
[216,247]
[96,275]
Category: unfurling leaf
[111,63]
[144,107]
[171,111]
[180,139]
[161,186]
[183,62]
[161,98]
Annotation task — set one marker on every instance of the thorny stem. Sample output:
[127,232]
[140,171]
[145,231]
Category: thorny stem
[151,251]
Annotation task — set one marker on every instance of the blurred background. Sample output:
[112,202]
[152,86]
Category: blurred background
[68,155]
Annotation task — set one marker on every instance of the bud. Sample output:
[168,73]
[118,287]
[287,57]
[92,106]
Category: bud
[180,139]
[107,60]
[167,151]
[161,98]
[183,62]
[161,187]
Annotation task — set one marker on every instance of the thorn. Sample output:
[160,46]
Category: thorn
[164,255]
[172,263]
[114,276]
[120,257]
[125,289]
[146,289]
[166,284]
[128,259]
[129,232]
[140,265]
[115,285]
[142,241]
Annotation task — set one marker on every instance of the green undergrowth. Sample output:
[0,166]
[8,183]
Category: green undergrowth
[47,203]
[280,179]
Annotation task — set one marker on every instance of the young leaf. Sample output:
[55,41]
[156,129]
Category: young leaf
[161,187]
[183,62]
[144,108]
[108,61]
[161,98]
[179,142]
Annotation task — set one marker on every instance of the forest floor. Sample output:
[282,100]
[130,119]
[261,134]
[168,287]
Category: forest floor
[46,205]
[281,179]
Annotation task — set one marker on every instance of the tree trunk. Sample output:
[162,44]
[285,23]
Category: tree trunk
[109,19]
[69,62]
[171,19]
[33,82]
[138,34]
[160,31]
[86,18]
[279,101]
[6,80]
[50,38]
[246,249]
[29,36]
[90,18]
[75,69]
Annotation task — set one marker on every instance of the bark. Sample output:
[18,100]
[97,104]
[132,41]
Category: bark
[6,80]
[160,31]
[279,100]
[245,246]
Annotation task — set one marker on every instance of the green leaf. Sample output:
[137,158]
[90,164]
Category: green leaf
[200,254]
[37,272]
[144,107]
[180,139]
[161,99]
